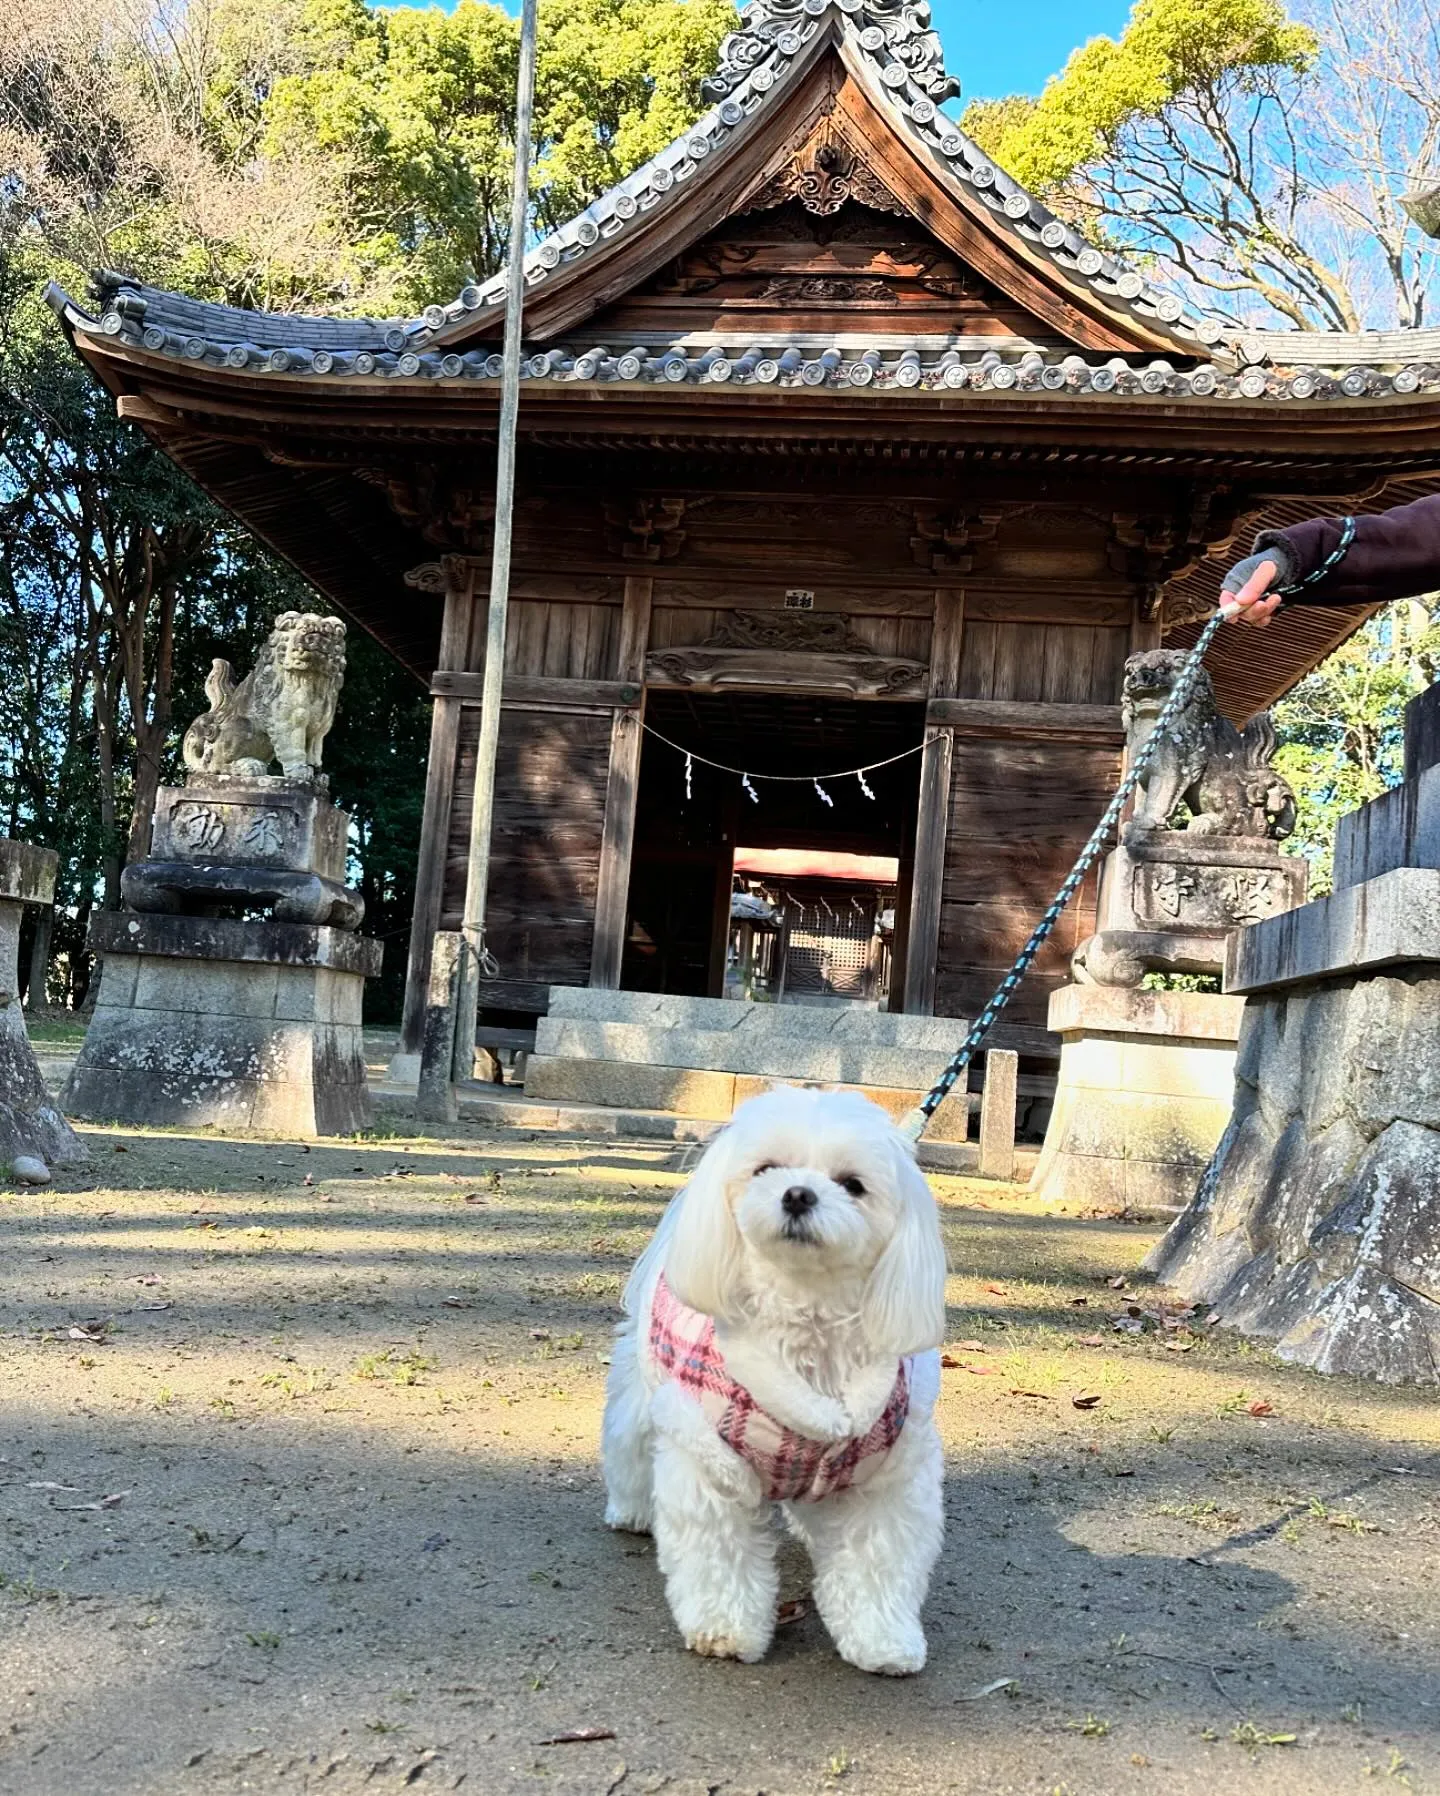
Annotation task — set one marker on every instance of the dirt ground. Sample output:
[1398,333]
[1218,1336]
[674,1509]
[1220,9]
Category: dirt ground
[299,1492]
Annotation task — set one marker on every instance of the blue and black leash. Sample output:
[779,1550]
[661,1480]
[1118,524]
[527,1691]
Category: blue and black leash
[1180,696]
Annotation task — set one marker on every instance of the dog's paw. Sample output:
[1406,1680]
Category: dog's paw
[900,1656]
[725,1646]
[625,1521]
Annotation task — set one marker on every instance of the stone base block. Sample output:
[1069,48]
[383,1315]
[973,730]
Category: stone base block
[257,1028]
[713,1096]
[1144,1095]
[241,821]
[1315,1225]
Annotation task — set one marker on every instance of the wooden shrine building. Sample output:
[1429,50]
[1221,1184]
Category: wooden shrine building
[834,444]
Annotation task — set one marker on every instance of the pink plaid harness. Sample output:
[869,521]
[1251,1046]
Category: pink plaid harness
[791,1467]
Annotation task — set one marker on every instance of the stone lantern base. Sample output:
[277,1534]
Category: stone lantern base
[1146,1083]
[237,1025]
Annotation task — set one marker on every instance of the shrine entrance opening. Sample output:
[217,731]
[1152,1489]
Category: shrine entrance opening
[785,897]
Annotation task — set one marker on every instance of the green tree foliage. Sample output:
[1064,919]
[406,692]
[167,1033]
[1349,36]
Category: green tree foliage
[412,109]
[1256,158]
[290,154]
[1341,729]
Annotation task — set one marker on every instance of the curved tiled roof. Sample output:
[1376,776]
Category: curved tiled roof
[273,343]
[891,42]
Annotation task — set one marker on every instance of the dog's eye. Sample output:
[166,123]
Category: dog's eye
[769,1166]
[856,1187]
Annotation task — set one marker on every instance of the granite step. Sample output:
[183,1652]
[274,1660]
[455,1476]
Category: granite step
[495,1108]
[759,1053]
[730,1016]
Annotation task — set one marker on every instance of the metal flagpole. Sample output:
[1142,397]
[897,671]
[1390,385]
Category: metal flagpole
[475,958]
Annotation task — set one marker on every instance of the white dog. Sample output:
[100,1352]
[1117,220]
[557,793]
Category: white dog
[780,1348]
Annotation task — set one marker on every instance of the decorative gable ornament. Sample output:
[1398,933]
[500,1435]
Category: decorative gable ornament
[899,28]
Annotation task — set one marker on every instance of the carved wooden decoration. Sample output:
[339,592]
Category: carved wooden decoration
[843,676]
[823,632]
[944,537]
[826,172]
[646,529]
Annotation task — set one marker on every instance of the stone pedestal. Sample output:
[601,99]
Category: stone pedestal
[254,842]
[1317,1224]
[239,1025]
[1170,898]
[1144,1094]
[29,1123]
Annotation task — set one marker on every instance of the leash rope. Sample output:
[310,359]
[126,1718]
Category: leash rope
[1170,711]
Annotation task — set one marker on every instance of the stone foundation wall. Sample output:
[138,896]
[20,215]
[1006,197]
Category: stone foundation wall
[1318,1222]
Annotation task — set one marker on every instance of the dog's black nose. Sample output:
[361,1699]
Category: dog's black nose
[797,1200]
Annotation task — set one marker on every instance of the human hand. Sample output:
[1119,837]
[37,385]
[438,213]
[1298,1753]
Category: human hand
[1253,601]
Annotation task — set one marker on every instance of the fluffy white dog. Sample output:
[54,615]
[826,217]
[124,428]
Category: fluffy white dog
[780,1347]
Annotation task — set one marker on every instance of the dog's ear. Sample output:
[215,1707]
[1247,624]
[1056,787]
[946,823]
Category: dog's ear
[700,1249]
[903,1308]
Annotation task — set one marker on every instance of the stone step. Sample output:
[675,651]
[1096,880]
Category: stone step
[1422,732]
[710,1094]
[869,1028]
[1398,829]
[760,1054]
[494,1108]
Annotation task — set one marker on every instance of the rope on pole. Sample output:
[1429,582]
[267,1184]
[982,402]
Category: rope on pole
[476,959]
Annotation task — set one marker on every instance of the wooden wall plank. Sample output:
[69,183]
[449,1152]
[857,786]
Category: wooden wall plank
[627,739]
[1019,813]
[1098,725]
[550,782]
[932,847]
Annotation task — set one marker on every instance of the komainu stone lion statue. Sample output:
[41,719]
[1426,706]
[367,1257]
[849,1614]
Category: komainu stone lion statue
[281,711]
[1222,774]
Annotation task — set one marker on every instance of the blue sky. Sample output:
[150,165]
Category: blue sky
[1010,46]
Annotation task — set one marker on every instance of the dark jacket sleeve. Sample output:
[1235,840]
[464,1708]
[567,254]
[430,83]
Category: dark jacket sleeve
[1395,555]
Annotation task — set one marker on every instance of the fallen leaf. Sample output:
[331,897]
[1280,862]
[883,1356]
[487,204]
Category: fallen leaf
[950,1363]
[455,1303]
[1262,1408]
[308,1179]
[1044,1396]
[1179,1346]
[86,1334]
[971,1347]
[539,1334]
[119,1149]
[577,1736]
[986,1690]
[997,1290]
[46,1484]
[1116,1284]
[787,1614]
[1080,1303]
[1091,1341]
[1089,1401]
[113,1501]
[151,1307]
